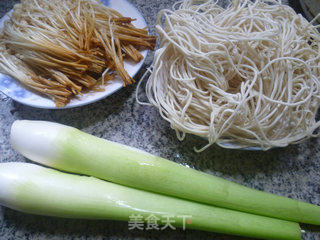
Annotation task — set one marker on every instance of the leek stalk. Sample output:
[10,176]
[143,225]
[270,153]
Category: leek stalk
[38,190]
[72,150]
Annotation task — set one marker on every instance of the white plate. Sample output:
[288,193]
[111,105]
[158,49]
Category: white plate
[14,90]
[238,146]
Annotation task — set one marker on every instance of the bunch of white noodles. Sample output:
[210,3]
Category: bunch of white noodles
[247,73]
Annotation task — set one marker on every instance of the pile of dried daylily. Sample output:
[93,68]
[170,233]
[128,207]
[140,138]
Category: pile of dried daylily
[64,47]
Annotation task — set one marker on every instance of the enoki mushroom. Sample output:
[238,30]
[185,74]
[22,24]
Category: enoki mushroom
[62,48]
[246,73]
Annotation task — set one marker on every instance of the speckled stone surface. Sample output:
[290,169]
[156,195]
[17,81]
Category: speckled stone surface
[292,172]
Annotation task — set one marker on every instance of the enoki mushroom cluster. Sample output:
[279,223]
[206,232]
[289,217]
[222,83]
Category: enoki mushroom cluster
[247,72]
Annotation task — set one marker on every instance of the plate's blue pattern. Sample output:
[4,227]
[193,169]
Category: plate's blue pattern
[106,2]
[12,88]
[5,81]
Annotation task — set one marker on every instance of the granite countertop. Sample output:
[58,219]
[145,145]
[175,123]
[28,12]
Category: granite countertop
[293,171]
